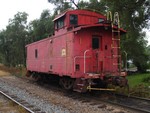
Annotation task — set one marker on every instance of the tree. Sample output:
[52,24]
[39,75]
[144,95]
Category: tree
[14,40]
[41,28]
[93,5]
[60,5]
[3,47]
[134,16]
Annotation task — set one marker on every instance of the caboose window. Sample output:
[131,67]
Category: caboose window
[73,20]
[95,42]
[36,53]
[100,20]
[59,23]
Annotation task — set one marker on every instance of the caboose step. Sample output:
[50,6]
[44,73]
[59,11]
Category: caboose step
[77,90]
[80,84]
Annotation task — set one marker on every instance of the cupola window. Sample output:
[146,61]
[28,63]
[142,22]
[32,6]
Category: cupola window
[73,19]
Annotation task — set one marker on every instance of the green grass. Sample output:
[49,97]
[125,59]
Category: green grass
[138,79]
[139,85]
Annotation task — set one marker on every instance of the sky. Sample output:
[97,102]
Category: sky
[8,8]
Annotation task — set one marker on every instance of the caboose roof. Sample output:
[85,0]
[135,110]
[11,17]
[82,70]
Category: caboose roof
[98,25]
[78,11]
[60,15]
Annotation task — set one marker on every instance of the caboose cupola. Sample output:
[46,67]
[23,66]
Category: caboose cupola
[69,19]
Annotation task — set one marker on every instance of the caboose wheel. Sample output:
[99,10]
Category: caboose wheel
[67,83]
[28,73]
[36,77]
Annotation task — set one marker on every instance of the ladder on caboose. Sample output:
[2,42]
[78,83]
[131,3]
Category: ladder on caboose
[116,52]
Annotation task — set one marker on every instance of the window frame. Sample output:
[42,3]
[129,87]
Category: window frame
[74,21]
[36,53]
[60,23]
[97,41]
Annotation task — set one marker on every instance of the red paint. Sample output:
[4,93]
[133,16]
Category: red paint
[64,53]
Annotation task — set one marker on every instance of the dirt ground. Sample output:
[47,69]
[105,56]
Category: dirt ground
[3,73]
[4,70]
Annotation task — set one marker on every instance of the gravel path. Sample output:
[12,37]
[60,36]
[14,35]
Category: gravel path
[52,101]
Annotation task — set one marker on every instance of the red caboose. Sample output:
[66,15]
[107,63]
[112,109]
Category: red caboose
[84,51]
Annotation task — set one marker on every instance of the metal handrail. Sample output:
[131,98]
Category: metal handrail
[85,59]
[78,57]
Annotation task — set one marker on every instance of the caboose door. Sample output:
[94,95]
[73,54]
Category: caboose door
[97,53]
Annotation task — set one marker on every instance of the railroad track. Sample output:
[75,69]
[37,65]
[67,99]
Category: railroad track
[137,104]
[134,103]
[29,108]
[131,102]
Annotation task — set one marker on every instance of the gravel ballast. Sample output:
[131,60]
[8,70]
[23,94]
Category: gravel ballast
[52,100]
[38,102]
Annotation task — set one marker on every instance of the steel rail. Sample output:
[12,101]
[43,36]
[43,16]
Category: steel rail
[130,99]
[133,97]
[29,110]
[130,107]
[94,99]
[97,98]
